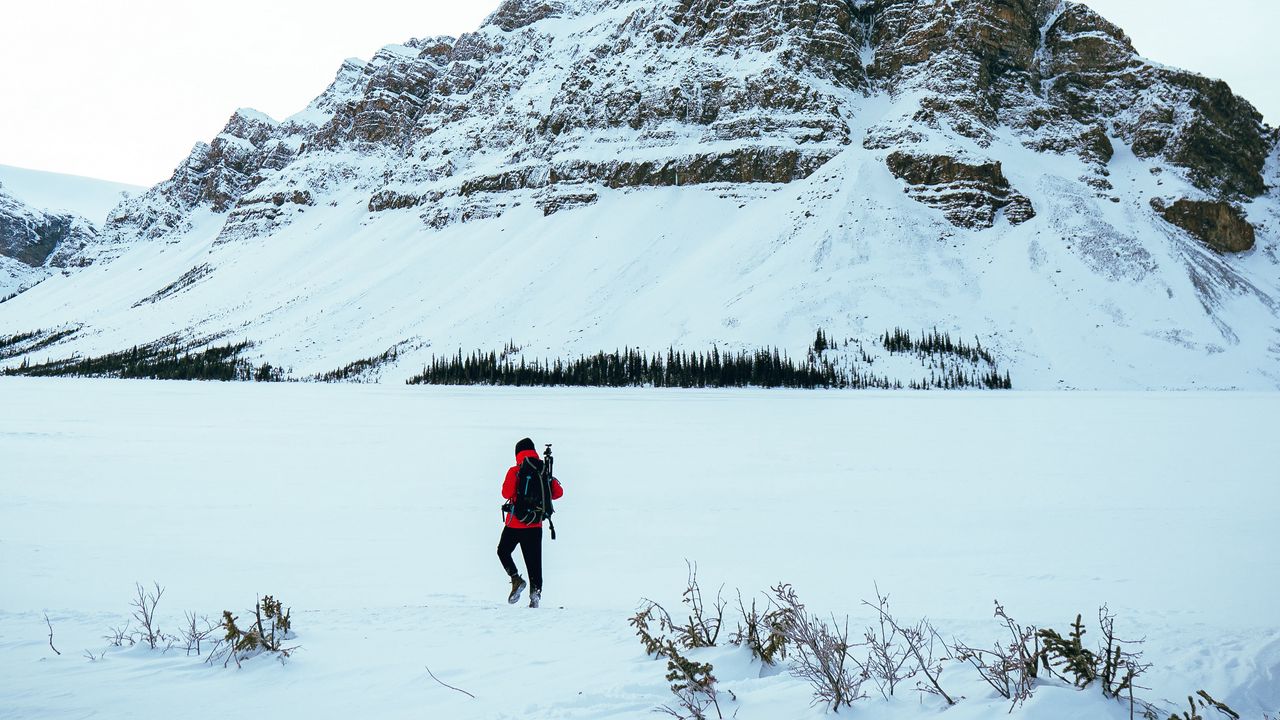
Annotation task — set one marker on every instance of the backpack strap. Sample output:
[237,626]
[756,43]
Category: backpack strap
[553,528]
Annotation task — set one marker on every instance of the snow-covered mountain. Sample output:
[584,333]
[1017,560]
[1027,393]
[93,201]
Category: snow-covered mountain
[45,218]
[89,198]
[580,175]
[34,242]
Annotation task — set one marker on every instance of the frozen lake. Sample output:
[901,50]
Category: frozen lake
[361,505]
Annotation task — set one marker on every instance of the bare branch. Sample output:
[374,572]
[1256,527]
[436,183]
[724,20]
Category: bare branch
[433,677]
[919,641]
[119,634]
[46,622]
[193,635]
[703,627]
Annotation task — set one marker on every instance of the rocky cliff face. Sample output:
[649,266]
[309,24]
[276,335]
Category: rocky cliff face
[557,97]
[34,242]
[219,176]
[1063,80]
[36,238]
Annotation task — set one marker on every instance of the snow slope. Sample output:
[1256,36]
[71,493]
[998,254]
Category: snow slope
[372,511]
[695,266]
[88,197]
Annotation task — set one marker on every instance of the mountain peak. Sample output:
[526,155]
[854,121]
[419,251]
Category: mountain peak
[516,14]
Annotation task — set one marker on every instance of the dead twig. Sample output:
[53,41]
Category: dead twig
[433,677]
[46,622]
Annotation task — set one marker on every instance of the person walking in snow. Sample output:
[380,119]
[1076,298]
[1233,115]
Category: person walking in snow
[527,535]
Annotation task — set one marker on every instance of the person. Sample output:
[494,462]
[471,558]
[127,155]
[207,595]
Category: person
[527,536]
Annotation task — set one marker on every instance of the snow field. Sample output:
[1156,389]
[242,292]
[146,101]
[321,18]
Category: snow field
[90,198]
[372,511]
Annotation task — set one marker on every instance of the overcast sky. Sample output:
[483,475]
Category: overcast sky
[121,89]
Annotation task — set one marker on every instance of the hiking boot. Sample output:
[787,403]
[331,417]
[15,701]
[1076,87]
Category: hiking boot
[517,586]
[535,597]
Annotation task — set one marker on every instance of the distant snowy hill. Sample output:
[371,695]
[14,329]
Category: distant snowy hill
[87,197]
[34,242]
[45,218]
[583,175]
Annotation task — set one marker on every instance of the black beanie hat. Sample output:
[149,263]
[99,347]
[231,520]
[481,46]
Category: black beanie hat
[525,444]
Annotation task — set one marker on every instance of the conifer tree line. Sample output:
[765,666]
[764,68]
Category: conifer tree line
[21,344]
[824,365]
[11,340]
[935,343]
[634,368]
[160,361]
[353,371]
[764,368]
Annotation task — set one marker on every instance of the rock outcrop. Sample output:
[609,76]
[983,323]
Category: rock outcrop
[515,14]
[1220,225]
[967,193]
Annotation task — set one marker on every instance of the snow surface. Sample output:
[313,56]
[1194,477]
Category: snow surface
[90,198]
[372,512]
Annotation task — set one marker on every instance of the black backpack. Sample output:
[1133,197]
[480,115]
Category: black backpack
[533,491]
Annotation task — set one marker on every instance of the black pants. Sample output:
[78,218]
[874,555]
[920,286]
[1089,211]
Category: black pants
[530,542]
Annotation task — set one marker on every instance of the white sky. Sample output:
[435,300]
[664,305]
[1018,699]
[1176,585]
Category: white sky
[121,89]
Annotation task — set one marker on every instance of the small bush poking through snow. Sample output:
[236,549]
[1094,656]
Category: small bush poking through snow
[900,652]
[1206,702]
[691,681]
[891,653]
[1068,657]
[1119,665]
[1010,668]
[144,604]
[693,685]
[821,652]
[701,629]
[1115,666]
[144,613]
[270,629]
[761,632]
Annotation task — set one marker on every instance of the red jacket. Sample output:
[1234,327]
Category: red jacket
[509,489]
